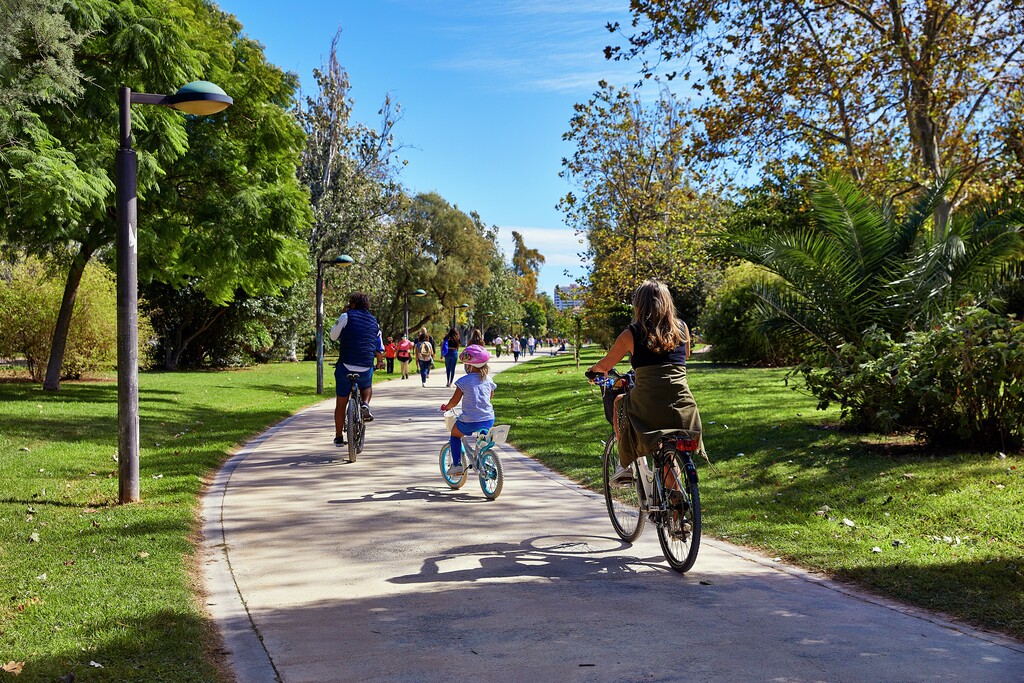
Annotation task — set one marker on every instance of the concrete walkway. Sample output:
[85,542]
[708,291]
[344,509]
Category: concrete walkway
[320,570]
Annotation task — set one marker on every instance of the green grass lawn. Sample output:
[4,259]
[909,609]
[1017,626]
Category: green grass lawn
[943,531]
[84,580]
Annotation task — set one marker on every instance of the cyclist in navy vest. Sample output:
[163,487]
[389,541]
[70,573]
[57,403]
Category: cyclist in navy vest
[361,349]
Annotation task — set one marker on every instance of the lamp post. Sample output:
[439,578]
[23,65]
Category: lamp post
[200,98]
[343,260]
[418,292]
[455,310]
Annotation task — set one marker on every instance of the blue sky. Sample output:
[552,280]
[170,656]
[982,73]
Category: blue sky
[486,87]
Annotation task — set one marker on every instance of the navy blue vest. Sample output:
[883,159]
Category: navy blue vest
[359,339]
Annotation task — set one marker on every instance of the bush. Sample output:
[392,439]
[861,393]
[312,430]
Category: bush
[30,298]
[730,323]
[961,380]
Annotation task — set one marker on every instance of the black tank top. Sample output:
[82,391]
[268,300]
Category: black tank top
[643,356]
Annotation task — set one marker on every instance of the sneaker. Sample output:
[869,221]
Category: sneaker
[367,415]
[456,470]
[622,476]
[339,441]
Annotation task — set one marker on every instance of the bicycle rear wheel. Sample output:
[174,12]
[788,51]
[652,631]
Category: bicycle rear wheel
[492,476]
[445,461]
[623,501]
[679,528]
[352,424]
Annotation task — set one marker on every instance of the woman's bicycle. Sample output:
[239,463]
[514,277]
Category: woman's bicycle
[477,454]
[355,428]
[662,488]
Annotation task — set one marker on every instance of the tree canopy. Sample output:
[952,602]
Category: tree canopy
[896,94]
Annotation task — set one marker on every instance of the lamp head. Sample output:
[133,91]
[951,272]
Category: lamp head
[343,260]
[201,98]
[419,292]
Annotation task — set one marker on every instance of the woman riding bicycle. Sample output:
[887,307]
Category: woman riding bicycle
[660,403]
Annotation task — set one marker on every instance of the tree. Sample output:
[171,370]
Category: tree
[863,265]
[897,94]
[350,170]
[635,200]
[526,262]
[221,203]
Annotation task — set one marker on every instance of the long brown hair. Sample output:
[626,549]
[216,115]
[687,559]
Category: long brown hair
[655,313]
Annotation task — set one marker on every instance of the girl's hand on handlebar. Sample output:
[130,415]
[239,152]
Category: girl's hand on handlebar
[444,408]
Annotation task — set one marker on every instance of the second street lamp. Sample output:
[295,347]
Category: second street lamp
[200,98]
[455,310]
[418,293]
[343,260]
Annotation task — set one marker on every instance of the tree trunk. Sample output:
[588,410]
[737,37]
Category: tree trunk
[58,344]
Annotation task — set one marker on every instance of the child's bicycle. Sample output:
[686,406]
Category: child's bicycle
[478,454]
[663,489]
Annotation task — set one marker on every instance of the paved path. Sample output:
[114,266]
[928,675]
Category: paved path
[320,570]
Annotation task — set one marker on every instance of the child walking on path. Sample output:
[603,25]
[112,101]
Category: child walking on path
[477,412]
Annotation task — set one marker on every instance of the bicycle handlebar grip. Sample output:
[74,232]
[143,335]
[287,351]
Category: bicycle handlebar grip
[591,375]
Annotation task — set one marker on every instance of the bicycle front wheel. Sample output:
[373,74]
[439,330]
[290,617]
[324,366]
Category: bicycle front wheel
[623,500]
[445,461]
[492,477]
[352,424]
[679,528]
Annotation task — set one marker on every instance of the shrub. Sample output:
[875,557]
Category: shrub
[30,298]
[961,380]
[731,325]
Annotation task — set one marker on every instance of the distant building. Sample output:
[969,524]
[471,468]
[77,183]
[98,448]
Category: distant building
[569,296]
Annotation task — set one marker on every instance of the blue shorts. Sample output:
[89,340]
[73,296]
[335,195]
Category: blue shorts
[473,427]
[344,386]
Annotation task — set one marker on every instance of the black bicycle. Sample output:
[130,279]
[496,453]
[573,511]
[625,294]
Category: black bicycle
[355,428]
[661,487]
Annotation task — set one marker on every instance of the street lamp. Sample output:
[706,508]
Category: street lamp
[200,98]
[455,310]
[418,292]
[343,260]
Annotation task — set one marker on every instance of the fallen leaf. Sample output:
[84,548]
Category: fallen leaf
[897,543]
[95,664]
[143,554]
[34,538]
[876,549]
[13,668]
[850,523]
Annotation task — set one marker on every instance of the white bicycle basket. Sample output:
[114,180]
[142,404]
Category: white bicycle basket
[498,434]
[449,419]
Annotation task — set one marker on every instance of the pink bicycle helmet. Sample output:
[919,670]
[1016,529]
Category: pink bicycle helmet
[475,356]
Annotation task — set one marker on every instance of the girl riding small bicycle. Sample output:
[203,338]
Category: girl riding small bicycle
[474,390]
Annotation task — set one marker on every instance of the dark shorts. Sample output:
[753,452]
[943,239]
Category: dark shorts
[344,386]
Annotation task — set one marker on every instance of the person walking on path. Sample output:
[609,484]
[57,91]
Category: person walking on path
[403,352]
[390,349]
[424,356]
[477,412]
[450,351]
[516,350]
[358,332]
[497,346]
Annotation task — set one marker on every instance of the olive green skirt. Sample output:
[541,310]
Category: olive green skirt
[660,403]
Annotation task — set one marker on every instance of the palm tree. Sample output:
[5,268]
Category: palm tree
[862,264]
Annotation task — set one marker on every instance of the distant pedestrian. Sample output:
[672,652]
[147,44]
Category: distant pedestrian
[403,352]
[390,350]
[497,341]
[424,356]
[516,349]
[531,344]
[450,351]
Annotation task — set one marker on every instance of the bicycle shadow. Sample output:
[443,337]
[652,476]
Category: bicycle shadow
[417,493]
[579,558]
